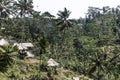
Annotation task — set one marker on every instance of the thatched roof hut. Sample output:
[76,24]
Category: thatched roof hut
[52,62]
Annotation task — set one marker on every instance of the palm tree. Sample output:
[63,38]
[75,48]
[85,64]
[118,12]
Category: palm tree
[24,7]
[64,22]
[5,8]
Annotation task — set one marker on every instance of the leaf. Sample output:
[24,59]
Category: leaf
[59,23]
[93,69]
[2,50]
[102,67]
[116,56]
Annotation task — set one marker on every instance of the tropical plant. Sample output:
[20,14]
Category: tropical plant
[103,63]
[23,7]
[7,55]
[5,8]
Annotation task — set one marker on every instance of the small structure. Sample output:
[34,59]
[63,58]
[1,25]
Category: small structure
[24,46]
[51,62]
[20,47]
[76,78]
[3,42]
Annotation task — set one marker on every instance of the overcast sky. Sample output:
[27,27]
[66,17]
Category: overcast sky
[77,7]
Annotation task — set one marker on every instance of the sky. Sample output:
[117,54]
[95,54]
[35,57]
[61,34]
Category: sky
[78,8]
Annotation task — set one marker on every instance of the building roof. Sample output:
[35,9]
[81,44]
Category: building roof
[22,46]
[27,44]
[51,62]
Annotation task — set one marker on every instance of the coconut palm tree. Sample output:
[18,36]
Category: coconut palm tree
[24,7]
[5,8]
[63,20]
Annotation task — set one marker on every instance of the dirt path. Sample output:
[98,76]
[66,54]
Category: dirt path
[32,60]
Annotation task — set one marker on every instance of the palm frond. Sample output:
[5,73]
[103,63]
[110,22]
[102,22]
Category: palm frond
[93,69]
[112,59]
[60,23]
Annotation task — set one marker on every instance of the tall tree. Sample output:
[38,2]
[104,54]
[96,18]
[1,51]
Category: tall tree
[64,22]
[24,7]
[5,8]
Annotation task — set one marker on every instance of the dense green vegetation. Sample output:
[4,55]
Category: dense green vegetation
[88,48]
